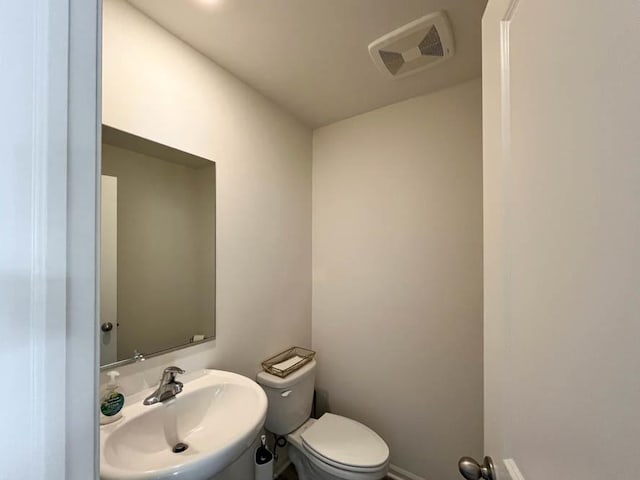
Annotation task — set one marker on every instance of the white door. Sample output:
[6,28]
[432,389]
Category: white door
[561,88]
[109,271]
[49,137]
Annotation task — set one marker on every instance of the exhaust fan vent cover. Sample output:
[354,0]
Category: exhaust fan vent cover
[420,44]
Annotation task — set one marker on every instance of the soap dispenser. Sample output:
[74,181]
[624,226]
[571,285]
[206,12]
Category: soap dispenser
[111,400]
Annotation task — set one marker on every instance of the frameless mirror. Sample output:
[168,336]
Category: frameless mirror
[157,253]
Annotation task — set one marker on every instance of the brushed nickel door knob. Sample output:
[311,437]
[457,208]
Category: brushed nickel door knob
[472,470]
[106,327]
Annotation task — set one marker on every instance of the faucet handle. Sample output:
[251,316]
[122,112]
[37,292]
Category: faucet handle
[174,370]
[170,373]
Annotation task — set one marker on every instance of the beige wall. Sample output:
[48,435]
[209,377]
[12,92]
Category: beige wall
[157,87]
[397,275]
[165,239]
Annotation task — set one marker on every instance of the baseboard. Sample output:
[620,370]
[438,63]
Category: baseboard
[397,473]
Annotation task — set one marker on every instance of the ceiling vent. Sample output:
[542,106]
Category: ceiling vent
[413,47]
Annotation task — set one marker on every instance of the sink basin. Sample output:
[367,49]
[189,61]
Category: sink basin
[218,416]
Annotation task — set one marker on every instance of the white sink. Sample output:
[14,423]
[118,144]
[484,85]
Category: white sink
[218,415]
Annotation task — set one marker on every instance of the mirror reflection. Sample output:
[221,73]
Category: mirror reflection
[157,248]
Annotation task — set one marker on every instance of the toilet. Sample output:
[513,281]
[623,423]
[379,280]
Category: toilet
[329,448]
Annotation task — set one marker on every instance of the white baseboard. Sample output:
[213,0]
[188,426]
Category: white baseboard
[397,473]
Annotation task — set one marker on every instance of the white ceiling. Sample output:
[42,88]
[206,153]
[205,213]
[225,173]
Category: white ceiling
[310,56]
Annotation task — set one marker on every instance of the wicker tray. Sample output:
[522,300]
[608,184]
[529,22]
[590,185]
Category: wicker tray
[287,362]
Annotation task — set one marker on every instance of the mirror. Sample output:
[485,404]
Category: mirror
[157,253]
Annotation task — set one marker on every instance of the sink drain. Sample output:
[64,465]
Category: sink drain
[180,447]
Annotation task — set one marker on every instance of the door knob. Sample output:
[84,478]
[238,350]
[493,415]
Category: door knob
[106,327]
[472,470]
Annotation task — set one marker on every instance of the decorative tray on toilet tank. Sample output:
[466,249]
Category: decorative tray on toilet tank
[287,362]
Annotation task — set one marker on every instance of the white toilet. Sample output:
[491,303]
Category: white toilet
[330,448]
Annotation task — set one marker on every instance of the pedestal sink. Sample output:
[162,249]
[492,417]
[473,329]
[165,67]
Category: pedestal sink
[217,417]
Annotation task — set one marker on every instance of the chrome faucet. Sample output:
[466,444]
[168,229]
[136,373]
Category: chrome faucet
[168,387]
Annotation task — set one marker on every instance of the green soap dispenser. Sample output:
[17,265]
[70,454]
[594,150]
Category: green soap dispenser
[111,400]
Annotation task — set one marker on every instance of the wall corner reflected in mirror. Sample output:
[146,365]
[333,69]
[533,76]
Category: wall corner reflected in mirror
[158,248]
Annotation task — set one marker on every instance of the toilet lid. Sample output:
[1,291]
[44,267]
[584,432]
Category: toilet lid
[346,442]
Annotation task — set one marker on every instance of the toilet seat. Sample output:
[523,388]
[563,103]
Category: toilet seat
[345,444]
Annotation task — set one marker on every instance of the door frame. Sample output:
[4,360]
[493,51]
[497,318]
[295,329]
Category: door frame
[83,240]
[108,345]
[52,102]
[496,108]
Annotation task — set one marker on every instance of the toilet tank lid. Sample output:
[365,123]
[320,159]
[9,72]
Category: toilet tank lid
[267,380]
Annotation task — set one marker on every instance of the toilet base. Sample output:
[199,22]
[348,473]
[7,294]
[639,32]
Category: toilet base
[305,469]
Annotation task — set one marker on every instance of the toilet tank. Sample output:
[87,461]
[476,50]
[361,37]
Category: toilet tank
[290,398]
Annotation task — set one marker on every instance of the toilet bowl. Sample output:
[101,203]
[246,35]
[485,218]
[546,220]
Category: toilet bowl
[336,447]
[330,448]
